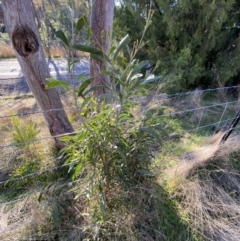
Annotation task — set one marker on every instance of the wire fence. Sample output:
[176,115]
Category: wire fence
[199,112]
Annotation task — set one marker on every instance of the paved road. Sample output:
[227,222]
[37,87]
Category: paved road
[13,82]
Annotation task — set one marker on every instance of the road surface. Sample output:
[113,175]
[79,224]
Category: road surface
[13,82]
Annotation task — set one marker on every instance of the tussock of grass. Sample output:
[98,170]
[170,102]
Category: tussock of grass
[192,161]
[213,204]
[23,217]
[207,188]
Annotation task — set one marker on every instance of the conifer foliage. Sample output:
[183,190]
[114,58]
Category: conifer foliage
[197,42]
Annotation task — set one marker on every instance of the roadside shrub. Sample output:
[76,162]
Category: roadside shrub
[110,154]
[23,132]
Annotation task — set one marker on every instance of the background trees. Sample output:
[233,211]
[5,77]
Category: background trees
[197,42]
[58,14]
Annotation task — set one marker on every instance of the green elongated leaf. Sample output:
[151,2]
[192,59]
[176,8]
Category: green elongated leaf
[69,65]
[152,133]
[80,77]
[60,34]
[145,173]
[88,49]
[96,57]
[136,76]
[140,83]
[109,73]
[107,96]
[81,23]
[136,85]
[53,83]
[128,70]
[89,32]
[85,102]
[150,78]
[72,164]
[128,50]
[111,50]
[65,139]
[140,66]
[125,117]
[160,128]
[77,171]
[95,88]
[84,85]
[123,43]
[125,61]
[129,76]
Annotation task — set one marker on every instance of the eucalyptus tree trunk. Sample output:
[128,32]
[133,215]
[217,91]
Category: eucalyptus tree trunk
[1,14]
[19,19]
[102,13]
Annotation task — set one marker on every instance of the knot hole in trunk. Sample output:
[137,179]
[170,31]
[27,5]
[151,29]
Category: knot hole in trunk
[24,41]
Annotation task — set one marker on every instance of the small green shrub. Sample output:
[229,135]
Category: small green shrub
[112,151]
[113,148]
[23,175]
[22,132]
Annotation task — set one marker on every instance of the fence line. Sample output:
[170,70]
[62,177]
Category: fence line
[36,112]
[160,95]
[64,165]
[198,108]
[222,114]
[39,139]
[76,132]
[203,91]
[210,125]
[171,114]
[33,174]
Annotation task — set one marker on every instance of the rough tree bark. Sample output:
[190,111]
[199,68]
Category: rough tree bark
[19,19]
[1,14]
[102,13]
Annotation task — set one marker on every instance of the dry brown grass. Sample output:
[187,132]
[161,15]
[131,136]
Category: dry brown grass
[209,189]
[213,204]
[127,218]
[6,51]
[202,156]
[23,218]
[55,51]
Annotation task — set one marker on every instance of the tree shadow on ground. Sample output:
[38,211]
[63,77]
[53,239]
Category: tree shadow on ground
[171,223]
